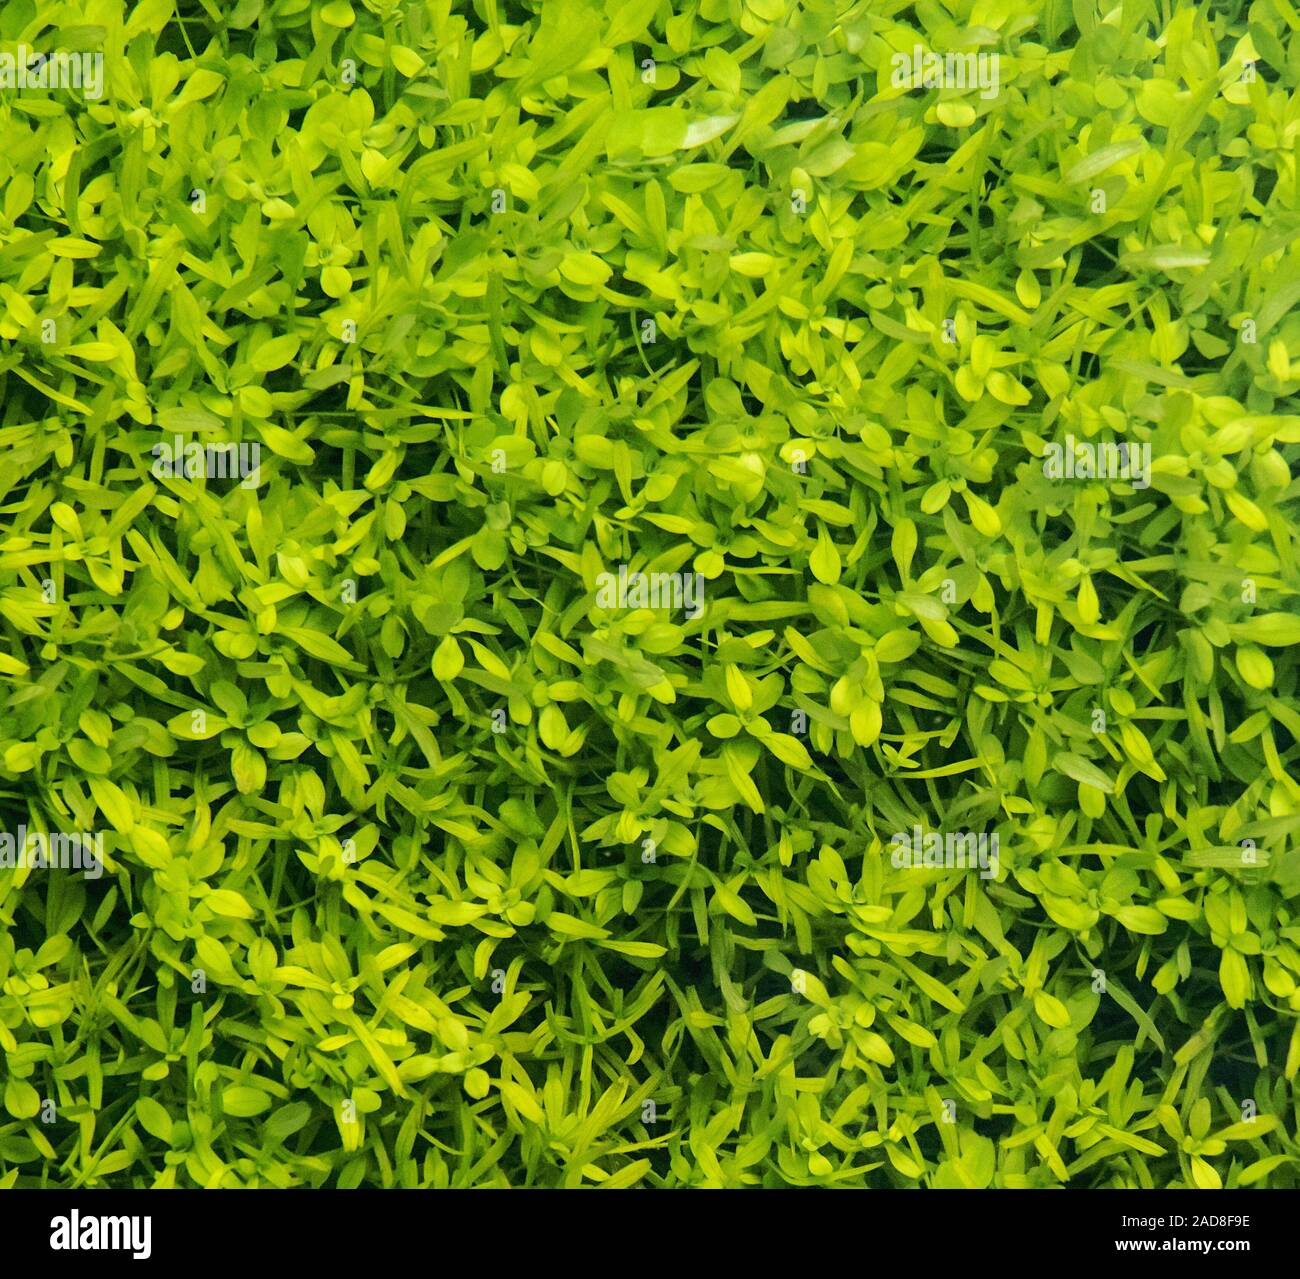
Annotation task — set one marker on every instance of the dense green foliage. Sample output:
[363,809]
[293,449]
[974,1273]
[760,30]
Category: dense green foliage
[431,860]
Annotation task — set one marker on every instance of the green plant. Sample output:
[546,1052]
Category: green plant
[657,469]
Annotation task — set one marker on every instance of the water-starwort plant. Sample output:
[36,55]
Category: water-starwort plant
[733,621]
